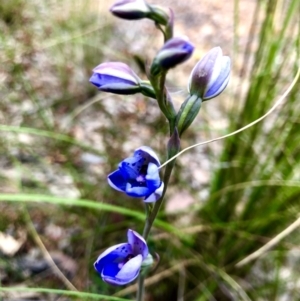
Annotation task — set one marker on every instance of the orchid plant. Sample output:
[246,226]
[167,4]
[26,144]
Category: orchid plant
[138,176]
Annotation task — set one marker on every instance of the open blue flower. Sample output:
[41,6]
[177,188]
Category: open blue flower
[121,264]
[138,176]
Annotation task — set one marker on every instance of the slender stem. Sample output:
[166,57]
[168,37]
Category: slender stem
[162,98]
[150,219]
[149,222]
[141,288]
[165,99]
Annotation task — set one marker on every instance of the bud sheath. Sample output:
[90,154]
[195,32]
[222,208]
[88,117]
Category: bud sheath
[188,112]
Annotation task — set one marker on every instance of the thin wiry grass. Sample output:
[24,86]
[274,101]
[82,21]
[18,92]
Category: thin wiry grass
[245,195]
[29,198]
[72,294]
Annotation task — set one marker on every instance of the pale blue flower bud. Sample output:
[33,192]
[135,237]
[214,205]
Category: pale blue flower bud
[210,76]
[130,9]
[115,77]
[139,9]
[175,51]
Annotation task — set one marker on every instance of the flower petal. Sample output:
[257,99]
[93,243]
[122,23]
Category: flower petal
[136,191]
[121,88]
[110,270]
[128,272]
[102,80]
[117,181]
[115,77]
[207,73]
[130,167]
[221,81]
[152,178]
[148,153]
[153,197]
[117,70]
[215,64]
[138,243]
[95,80]
[130,269]
[174,52]
[114,254]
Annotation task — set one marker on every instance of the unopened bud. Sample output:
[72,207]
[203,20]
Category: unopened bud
[139,9]
[210,76]
[175,51]
[130,9]
[115,77]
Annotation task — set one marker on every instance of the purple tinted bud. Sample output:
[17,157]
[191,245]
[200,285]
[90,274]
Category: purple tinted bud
[138,176]
[139,9]
[175,51]
[210,76]
[121,264]
[130,9]
[173,144]
[115,77]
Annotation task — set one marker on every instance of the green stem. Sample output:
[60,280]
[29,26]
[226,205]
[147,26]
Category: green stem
[141,288]
[150,219]
[149,222]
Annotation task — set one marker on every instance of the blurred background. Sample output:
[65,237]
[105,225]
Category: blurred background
[60,137]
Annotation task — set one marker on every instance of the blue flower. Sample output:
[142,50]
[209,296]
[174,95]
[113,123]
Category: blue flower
[115,77]
[175,51]
[121,264]
[210,76]
[138,176]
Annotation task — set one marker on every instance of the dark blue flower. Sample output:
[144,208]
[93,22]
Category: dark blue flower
[121,264]
[138,176]
[210,76]
[115,77]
